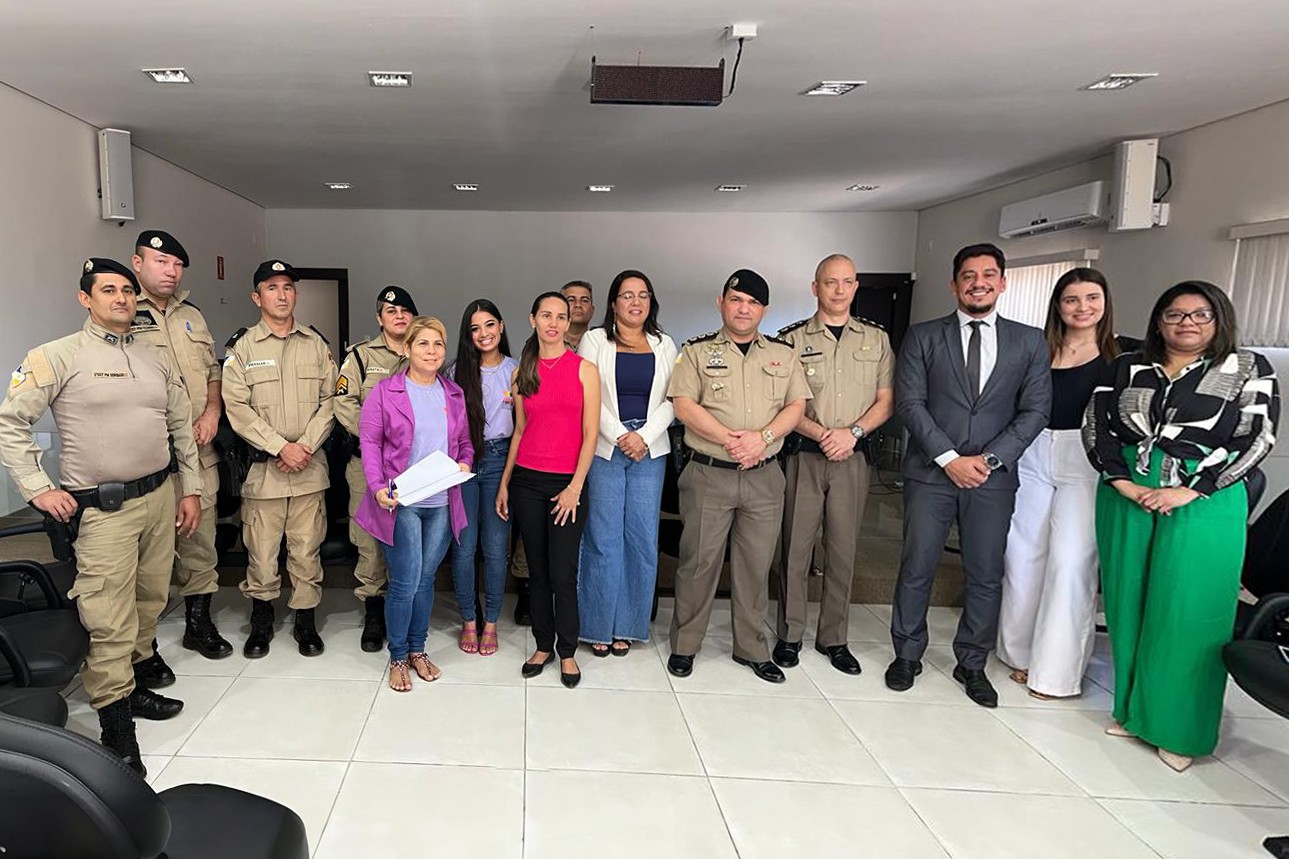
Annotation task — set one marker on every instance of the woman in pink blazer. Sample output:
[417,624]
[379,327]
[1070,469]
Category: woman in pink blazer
[406,418]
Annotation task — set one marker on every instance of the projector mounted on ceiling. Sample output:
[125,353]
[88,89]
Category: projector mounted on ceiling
[696,86]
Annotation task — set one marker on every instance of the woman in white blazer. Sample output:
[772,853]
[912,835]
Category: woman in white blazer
[619,562]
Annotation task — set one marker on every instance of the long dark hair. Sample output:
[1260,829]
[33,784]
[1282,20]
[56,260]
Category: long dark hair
[1055,328]
[610,323]
[466,368]
[1224,331]
[527,381]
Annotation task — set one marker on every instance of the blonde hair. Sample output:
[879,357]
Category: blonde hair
[419,324]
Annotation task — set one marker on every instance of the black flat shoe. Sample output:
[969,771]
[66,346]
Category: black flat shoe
[680,666]
[532,669]
[767,671]
[840,657]
[978,687]
[153,672]
[785,653]
[570,680]
[900,674]
[146,704]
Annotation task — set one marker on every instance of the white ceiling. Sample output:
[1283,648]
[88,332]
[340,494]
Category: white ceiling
[962,95]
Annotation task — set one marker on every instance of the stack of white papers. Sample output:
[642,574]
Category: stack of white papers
[432,475]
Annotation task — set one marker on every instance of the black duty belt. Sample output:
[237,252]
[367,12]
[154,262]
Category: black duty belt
[110,496]
[807,445]
[704,459]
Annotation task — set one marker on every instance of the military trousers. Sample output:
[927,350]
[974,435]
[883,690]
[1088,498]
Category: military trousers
[123,563]
[746,508]
[370,571]
[303,521]
[832,494]
[195,556]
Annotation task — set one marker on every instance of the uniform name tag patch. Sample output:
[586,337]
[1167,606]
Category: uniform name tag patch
[111,375]
[262,362]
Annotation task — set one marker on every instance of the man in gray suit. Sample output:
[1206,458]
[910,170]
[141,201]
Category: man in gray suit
[973,390]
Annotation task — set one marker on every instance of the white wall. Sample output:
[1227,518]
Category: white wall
[1227,173]
[445,259]
[49,223]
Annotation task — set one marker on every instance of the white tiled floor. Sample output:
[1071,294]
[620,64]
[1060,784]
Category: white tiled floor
[636,763]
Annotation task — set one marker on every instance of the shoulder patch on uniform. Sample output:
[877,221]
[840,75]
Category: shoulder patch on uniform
[702,338]
[143,319]
[342,385]
[33,372]
[778,340]
[320,334]
[237,335]
[876,325]
[788,329]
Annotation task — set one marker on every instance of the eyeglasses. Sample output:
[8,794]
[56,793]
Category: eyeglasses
[1203,316]
[632,296]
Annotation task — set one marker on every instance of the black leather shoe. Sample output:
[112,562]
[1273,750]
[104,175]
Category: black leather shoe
[117,724]
[681,666]
[978,687]
[146,704]
[523,605]
[840,657]
[785,653]
[767,671]
[200,633]
[532,669]
[570,680]
[373,637]
[306,634]
[153,672]
[257,643]
[900,674]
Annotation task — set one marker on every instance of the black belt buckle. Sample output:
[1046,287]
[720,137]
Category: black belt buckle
[111,496]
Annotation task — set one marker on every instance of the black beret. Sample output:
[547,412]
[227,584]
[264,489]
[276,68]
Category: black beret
[272,267]
[162,241]
[750,283]
[396,296]
[101,265]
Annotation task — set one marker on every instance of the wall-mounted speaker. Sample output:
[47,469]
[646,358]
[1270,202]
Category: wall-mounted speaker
[697,86]
[116,174]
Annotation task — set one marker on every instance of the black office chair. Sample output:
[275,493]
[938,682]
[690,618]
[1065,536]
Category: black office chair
[46,706]
[64,797]
[38,647]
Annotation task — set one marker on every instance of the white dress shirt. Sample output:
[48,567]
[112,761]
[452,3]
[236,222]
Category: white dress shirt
[988,358]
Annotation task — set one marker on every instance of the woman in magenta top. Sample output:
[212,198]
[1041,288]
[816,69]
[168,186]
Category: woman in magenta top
[557,419]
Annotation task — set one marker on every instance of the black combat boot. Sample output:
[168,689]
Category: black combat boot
[373,637]
[305,634]
[200,633]
[523,611]
[153,672]
[118,734]
[257,644]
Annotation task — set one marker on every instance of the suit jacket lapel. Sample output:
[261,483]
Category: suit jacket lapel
[953,343]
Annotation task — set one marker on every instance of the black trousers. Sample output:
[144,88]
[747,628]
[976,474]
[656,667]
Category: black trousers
[552,556]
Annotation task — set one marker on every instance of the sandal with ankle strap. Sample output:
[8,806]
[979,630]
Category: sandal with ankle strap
[417,660]
[399,667]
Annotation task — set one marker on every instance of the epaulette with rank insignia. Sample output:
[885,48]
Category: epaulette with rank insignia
[237,335]
[877,325]
[702,338]
[788,329]
[779,340]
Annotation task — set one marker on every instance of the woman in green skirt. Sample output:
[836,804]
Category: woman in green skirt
[1174,429]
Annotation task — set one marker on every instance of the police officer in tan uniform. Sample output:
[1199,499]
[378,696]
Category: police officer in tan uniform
[739,393]
[279,380]
[166,318]
[849,366]
[367,364]
[118,405]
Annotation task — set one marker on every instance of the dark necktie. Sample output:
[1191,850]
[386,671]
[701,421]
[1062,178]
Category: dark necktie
[973,359]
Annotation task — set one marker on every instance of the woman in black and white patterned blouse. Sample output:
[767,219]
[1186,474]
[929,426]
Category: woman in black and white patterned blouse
[1174,429]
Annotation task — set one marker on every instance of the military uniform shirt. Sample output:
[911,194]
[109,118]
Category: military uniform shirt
[182,330]
[844,375]
[116,403]
[279,390]
[353,385]
[742,392]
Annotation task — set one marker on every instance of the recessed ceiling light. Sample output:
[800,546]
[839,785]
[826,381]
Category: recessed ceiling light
[338,186]
[466,186]
[168,76]
[863,187]
[834,87]
[730,189]
[390,79]
[599,189]
[1119,81]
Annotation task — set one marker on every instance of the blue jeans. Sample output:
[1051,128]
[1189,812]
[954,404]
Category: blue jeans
[620,547]
[421,538]
[483,525]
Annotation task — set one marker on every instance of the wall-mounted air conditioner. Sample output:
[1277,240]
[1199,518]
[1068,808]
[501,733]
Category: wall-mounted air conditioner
[1075,207]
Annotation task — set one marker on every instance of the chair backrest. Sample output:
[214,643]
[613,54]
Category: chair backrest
[64,796]
[1265,568]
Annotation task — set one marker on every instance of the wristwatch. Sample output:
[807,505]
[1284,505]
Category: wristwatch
[858,432]
[993,462]
[768,436]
